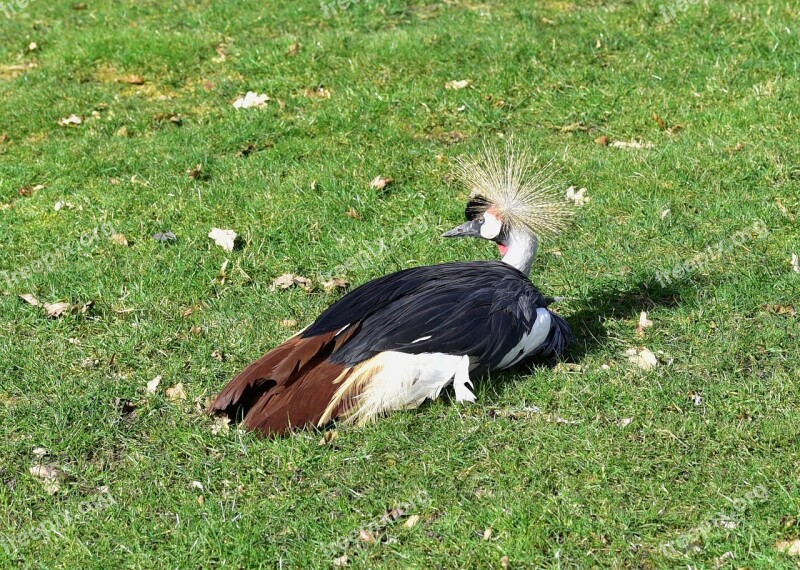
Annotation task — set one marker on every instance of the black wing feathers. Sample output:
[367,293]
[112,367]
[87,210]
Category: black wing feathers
[479,308]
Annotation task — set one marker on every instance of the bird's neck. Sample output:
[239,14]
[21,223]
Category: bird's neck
[521,251]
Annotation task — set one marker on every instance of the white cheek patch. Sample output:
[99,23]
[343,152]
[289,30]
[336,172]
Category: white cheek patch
[491,226]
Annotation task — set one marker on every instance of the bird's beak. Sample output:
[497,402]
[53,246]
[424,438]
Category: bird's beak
[467,229]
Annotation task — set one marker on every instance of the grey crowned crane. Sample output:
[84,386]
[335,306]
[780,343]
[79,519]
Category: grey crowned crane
[396,341]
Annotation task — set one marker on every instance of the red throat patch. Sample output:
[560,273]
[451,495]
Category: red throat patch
[503,249]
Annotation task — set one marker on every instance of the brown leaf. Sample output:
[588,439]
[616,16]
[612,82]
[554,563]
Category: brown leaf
[659,121]
[335,283]
[317,93]
[790,547]
[379,182]
[504,559]
[196,173]
[288,323]
[71,121]
[119,239]
[293,49]
[176,393]
[26,191]
[195,330]
[121,132]
[3,138]
[412,521]
[288,280]
[737,147]
[787,310]
[49,476]
[603,140]
[457,84]
[366,536]
[30,299]
[353,214]
[218,354]
[57,310]
[329,437]
[132,79]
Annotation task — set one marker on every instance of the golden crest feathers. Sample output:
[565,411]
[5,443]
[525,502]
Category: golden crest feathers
[524,195]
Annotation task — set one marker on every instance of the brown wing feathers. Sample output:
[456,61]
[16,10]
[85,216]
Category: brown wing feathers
[290,386]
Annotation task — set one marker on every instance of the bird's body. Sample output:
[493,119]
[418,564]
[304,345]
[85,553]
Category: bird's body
[401,339]
[395,342]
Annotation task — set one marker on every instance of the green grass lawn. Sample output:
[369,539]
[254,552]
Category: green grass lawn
[594,462]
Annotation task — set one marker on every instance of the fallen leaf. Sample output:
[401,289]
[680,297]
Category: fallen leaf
[352,213]
[579,197]
[152,386]
[412,521]
[335,283]
[5,207]
[787,310]
[221,425]
[30,299]
[487,534]
[288,323]
[220,54]
[251,100]
[132,79]
[624,422]
[379,182]
[643,358]
[176,393]
[632,144]
[317,93]
[33,46]
[197,173]
[603,140]
[790,547]
[289,280]
[195,330]
[226,239]
[119,239]
[340,561]
[50,477]
[665,213]
[644,323]
[25,191]
[72,120]
[696,398]
[121,132]
[366,536]
[293,49]
[218,355]
[795,263]
[574,127]
[504,559]
[39,452]
[165,237]
[457,84]
[737,147]
[659,121]
[329,437]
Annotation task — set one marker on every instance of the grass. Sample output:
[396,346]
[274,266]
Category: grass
[715,420]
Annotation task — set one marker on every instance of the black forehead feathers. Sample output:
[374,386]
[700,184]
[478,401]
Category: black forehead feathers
[476,207]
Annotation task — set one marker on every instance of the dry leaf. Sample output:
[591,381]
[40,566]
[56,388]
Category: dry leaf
[504,559]
[72,120]
[412,521]
[579,197]
[487,534]
[379,182]
[26,191]
[696,398]
[152,386]
[795,263]
[659,121]
[119,239]
[318,93]
[366,536]
[790,547]
[632,144]
[33,46]
[293,49]
[353,214]
[335,283]
[643,358]
[457,84]
[30,299]
[165,237]
[328,437]
[603,140]
[176,393]
[57,310]
[121,132]
[289,280]
[288,323]
[132,79]
[218,355]
[341,561]
[644,323]
[226,239]
[50,477]
[665,213]
[196,173]
[787,310]
[251,100]
[4,207]
[737,147]
[624,422]
[40,452]
[222,425]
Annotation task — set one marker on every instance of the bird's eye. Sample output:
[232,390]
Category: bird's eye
[480,221]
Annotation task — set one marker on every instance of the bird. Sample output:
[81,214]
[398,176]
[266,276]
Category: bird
[401,339]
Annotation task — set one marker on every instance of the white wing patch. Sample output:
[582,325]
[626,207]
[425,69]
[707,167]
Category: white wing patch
[421,339]
[530,341]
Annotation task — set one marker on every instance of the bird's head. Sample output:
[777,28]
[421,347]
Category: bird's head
[512,203]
